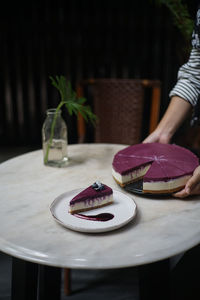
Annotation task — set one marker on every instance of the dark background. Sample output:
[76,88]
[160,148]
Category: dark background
[79,39]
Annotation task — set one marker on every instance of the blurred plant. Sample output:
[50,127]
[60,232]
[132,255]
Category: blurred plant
[75,105]
[181,16]
[69,98]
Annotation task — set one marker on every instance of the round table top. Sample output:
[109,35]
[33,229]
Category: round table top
[163,227]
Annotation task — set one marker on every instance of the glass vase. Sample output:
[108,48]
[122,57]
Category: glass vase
[54,139]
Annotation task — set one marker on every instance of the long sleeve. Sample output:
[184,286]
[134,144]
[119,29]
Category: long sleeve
[188,83]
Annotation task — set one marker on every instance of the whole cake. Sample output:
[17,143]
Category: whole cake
[96,195]
[165,168]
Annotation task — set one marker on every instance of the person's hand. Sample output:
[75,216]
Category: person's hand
[192,186]
[157,137]
[174,116]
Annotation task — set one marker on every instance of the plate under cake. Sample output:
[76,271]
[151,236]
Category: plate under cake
[94,196]
[164,168]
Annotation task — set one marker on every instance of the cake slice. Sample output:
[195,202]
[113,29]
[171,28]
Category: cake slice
[96,195]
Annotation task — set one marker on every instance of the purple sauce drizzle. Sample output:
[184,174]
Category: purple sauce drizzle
[100,217]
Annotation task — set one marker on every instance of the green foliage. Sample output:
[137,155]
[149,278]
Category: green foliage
[181,16]
[69,98]
[74,105]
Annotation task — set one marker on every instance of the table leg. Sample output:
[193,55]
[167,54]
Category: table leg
[67,281]
[154,281]
[185,276]
[24,280]
[49,283]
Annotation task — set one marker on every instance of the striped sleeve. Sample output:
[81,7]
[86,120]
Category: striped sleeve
[188,84]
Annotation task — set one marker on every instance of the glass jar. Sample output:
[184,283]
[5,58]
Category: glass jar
[54,139]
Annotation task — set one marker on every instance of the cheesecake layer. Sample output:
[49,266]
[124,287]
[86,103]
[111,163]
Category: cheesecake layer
[90,204]
[132,176]
[165,186]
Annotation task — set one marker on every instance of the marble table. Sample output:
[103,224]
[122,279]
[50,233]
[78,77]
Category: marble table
[162,228]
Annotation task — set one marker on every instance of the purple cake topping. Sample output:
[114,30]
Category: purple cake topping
[166,171]
[91,193]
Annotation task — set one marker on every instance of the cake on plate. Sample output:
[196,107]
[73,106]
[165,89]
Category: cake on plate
[96,195]
[164,168]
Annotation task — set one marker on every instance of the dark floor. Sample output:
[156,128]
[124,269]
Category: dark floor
[118,284]
[5,277]
[86,284]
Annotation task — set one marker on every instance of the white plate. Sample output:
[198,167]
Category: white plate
[123,208]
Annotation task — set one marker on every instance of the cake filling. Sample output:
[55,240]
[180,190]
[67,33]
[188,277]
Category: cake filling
[91,203]
[132,176]
[165,186]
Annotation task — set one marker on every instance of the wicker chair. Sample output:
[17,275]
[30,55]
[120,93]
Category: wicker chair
[119,106]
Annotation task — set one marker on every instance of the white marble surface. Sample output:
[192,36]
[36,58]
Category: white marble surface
[161,229]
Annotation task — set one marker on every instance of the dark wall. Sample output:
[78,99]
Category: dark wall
[79,39]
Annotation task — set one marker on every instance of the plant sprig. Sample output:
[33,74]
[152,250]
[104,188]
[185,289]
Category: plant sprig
[181,16]
[69,98]
[74,105]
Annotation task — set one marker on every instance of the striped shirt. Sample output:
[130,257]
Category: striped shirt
[188,83]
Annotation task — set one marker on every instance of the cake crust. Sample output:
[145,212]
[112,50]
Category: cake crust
[163,191]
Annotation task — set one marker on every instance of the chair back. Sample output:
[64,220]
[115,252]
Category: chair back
[119,106]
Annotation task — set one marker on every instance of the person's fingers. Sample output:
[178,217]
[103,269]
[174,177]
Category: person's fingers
[152,138]
[156,138]
[195,190]
[149,139]
[194,180]
[192,187]
[181,194]
[190,184]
